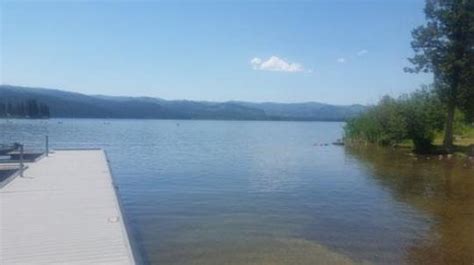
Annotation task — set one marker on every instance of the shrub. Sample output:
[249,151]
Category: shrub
[415,117]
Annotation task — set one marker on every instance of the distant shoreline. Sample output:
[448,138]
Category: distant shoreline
[166,119]
[64,104]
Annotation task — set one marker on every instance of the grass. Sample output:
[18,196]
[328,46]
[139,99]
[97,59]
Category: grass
[463,139]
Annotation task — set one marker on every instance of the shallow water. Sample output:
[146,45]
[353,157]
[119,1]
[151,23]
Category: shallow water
[232,192]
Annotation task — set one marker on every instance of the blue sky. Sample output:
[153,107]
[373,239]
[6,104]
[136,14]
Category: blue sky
[339,52]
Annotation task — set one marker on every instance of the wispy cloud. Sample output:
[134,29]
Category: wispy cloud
[275,63]
[341,60]
[362,52]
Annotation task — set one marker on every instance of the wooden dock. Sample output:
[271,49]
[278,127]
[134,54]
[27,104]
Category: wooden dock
[63,211]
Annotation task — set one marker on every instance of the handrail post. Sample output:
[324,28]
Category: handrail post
[21,161]
[47,145]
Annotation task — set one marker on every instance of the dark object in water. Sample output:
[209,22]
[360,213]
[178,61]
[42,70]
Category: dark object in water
[338,142]
[316,144]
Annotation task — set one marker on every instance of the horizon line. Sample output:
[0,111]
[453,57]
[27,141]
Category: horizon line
[192,100]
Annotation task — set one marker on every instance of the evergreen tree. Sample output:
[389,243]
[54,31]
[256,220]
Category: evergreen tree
[444,46]
[20,110]
[3,109]
[24,109]
[10,109]
[44,111]
[32,109]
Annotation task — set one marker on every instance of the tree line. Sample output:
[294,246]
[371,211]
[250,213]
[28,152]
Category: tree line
[444,47]
[24,109]
[416,117]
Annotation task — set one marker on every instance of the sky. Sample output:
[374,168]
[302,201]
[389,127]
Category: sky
[337,52]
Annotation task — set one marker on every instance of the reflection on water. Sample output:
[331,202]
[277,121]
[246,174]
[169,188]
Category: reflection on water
[443,190]
[221,192]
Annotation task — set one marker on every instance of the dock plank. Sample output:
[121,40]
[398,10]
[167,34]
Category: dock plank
[64,211]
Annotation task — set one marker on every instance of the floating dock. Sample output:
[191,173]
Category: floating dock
[64,210]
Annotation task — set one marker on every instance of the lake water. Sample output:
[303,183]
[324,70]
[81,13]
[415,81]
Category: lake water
[248,192]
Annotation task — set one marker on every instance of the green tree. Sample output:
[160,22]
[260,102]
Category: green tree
[32,109]
[3,109]
[20,110]
[416,117]
[44,110]
[383,124]
[444,46]
[10,109]
[424,115]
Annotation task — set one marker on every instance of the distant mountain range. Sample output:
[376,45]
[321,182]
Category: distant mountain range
[63,104]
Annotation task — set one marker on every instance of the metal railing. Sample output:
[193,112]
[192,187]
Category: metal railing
[18,149]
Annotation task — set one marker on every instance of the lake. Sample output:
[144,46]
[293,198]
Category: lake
[252,192]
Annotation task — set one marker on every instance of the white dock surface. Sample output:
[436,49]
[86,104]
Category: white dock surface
[64,211]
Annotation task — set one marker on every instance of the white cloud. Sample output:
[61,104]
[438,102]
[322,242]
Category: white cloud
[276,64]
[341,60]
[362,52]
[255,61]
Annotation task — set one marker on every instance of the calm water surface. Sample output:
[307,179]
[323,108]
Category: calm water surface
[229,192]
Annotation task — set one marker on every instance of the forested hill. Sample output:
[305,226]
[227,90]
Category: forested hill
[63,104]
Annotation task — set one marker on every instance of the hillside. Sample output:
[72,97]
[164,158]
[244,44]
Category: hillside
[65,104]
